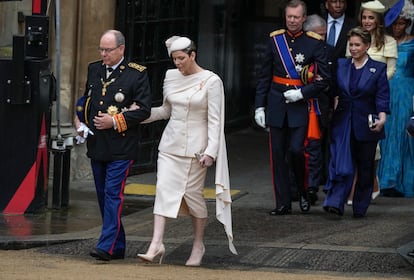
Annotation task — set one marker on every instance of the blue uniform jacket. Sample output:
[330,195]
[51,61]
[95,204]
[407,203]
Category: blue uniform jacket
[305,49]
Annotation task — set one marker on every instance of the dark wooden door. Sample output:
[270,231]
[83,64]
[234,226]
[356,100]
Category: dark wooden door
[146,25]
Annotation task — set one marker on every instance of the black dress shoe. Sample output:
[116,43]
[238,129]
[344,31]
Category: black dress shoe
[411,254]
[304,203]
[282,210]
[100,255]
[313,196]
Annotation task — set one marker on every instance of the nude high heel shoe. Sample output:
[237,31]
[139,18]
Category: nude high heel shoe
[375,194]
[150,258]
[197,261]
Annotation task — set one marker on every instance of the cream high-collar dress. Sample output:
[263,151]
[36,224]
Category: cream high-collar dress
[194,105]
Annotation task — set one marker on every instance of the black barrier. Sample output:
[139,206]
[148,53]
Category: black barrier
[61,149]
[25,124]
[27,92]
[37,36]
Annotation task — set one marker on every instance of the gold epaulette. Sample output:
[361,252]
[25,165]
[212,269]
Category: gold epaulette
[277,32]
[137,66]
[314,35]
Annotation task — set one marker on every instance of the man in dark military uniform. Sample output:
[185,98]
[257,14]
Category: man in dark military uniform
[117,98]
[282,100]
[316,156]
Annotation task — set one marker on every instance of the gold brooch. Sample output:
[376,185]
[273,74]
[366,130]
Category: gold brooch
[112,110]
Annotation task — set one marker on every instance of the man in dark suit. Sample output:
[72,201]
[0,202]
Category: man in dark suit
[281,100]
[342,24]
[117,98]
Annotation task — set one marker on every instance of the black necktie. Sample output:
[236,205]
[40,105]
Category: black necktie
[109,71]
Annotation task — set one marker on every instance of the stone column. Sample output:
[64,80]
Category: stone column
[82,23]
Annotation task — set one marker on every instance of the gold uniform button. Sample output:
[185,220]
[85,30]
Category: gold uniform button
[101,102]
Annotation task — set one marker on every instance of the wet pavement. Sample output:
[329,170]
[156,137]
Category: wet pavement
[303,243]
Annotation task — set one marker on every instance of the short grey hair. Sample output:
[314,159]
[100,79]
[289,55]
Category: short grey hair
[119,37]
[312,22]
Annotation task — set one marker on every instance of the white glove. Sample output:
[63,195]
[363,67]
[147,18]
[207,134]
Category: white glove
[293,95]
[259,116]
[86,131]
[79,139]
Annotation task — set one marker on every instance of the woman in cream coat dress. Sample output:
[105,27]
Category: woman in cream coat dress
[192,140]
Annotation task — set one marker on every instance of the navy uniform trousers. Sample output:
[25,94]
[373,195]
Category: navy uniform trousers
[280,167]
[110,180]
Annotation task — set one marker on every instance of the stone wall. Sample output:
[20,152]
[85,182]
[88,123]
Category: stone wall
[9,25]
[82,24]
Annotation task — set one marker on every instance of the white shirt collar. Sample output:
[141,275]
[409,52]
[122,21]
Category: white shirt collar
[116,65]
[362,65]
[339,20]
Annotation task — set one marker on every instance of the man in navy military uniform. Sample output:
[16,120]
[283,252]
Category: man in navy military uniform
[313,148]
[117,98]
[282,100]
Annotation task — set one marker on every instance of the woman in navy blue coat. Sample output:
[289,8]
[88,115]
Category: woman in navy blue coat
[362,91]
